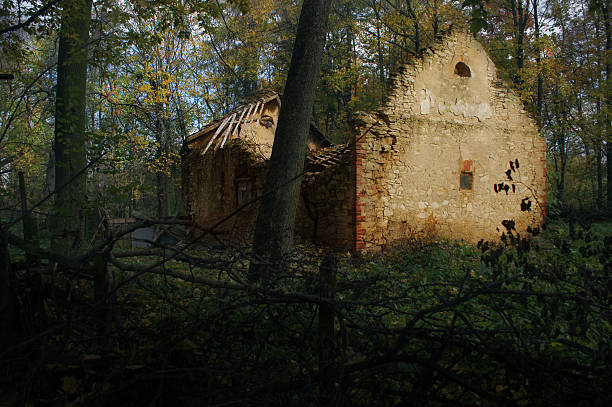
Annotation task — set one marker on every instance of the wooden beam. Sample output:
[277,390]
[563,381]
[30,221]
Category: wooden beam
[219,129]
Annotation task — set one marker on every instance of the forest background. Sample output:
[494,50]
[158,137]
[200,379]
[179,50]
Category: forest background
[159,70]
[98,96]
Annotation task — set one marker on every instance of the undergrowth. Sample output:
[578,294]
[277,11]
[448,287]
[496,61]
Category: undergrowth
[526,323]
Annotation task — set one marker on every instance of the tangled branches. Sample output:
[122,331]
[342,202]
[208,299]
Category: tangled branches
[442,325]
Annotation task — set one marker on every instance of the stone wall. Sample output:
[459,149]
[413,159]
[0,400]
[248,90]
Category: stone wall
[452,154]
[265,127]
[217,184]
[431,160]
[325,214]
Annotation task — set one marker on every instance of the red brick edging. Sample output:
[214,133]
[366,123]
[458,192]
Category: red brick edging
[358,216]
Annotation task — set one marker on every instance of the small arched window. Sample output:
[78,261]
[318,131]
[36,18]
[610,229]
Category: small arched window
[462,70]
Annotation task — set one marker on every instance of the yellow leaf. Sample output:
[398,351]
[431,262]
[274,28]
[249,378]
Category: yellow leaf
[69,384]
[556,344]
[187,345]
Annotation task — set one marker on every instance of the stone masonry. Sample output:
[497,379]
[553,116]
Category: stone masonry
[452,153]
[223,172]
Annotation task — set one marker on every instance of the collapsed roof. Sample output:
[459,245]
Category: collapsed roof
[241,121]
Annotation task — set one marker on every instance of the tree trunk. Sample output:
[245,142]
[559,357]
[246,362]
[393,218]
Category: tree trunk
[520,15]
[379,52]
[435,24]
[34,296]
[163,190]
[103,298]
[540,91]
[9,324]
[70,154]
[520,38]
[605,8]
[327,343]
[163,153]
[30,229]
[49,185]
[599,169]
[562,145]
[417,37]
[597,147]
[273,238]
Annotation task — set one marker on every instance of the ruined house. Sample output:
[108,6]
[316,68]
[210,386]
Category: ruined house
[451,154]
[224,166]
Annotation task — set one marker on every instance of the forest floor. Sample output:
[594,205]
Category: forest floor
[436,323]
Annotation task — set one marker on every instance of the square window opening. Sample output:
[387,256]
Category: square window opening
[466,180]
[244,191]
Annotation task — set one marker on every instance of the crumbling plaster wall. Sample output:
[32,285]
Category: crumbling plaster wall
[410,154]
[210,188]
[211,180]
[259,129]
[210,185]
[325,212]
[266,128]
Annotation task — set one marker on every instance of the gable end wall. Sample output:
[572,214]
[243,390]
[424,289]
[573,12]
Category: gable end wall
[410,154]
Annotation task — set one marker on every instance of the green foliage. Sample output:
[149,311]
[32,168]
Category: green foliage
[434,323]
[524,323]
[204,57]
[480,15]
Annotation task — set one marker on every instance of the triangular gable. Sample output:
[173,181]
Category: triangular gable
[240,122]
